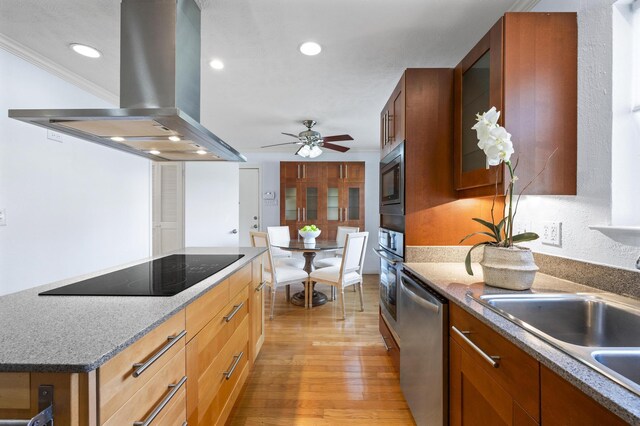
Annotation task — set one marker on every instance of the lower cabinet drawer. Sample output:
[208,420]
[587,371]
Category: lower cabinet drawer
[209,385]
[390,343]
[515,371]
[156,393]
[175,413]
[119,379]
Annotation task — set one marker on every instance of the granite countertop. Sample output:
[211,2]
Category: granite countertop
[452,281]
[80,333]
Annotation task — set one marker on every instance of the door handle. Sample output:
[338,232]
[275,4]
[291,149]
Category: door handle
[255,226]
[234,231]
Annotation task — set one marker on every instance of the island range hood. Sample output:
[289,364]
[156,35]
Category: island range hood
[159,110]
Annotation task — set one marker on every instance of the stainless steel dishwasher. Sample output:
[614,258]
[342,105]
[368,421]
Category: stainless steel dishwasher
[423,322]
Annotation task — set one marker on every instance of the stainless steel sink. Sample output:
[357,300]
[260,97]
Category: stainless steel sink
[578,320]
[601,330]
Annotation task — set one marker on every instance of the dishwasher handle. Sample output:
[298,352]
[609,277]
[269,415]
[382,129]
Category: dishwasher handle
[425,299]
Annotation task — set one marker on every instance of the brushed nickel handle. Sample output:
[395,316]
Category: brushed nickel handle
[346,171]
[152,416]
[340,171]
[384,342]
[228,374]
[298,175]
[304,171]
[304,214]
[261,286]
[233,313]
[172,340]
[298,214]
[493,360]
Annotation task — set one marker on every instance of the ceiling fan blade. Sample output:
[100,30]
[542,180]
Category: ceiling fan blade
[335,147]
[278,144]
[290,134]
[337,138]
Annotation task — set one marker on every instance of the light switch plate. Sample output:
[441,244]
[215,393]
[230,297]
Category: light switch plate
[3,217]
[552,233]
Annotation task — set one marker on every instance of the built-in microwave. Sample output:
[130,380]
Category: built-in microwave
[392,182]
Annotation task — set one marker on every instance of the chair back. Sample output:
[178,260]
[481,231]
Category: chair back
[279,234]
[341,236]
[261,239]
[354,251]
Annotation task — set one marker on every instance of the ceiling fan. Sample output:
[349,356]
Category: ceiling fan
[311,141]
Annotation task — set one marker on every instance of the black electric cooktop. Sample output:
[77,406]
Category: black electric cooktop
[165,276]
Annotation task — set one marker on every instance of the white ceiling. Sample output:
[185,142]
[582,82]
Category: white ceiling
[267,86]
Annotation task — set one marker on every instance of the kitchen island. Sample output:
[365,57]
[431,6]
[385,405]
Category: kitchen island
[112,359]
[452,282]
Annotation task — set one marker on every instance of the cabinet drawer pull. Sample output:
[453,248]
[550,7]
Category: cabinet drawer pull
[174,390]
[346,171]
[493,360]
[386,346]
[233,313]
[172,340]
[236,360]
[261,286]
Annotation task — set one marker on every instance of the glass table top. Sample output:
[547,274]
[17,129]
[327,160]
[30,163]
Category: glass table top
[298,245]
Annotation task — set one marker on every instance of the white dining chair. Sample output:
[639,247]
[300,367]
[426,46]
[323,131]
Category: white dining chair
[336,259]
[278,275]
[281,235]
[350,270]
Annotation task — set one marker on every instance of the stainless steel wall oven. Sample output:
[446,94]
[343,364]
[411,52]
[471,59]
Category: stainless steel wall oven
[392,182]
[391,252]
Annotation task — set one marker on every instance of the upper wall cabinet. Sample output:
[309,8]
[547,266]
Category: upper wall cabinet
[392,120]
[525,66]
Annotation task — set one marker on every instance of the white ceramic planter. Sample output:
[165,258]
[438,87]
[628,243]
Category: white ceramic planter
[512,268]
[309,236]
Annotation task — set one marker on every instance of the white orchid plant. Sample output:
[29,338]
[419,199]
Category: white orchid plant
[496,143]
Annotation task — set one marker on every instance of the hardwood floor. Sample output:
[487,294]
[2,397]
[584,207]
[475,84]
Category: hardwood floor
[316,369]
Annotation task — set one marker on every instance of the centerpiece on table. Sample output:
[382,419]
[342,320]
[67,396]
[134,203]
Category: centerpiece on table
[504,264]
[309,233]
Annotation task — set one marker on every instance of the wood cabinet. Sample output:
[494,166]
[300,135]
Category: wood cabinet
[191,367]
[525,66]
[390,343]
[423,101]
[327,194]
[502,391]
[392,120]
[565,405]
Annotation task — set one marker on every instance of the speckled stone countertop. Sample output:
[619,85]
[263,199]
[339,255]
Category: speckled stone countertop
[80,333]
[452,281]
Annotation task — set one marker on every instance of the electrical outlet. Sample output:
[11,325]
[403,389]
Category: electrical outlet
[522,226]
[552,233]
[3,217]
[54,136]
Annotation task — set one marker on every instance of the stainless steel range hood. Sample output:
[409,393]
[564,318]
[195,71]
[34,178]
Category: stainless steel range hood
[159,90]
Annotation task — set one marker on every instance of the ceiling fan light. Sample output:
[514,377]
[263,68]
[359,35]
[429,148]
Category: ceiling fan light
[315,151]
[304,151]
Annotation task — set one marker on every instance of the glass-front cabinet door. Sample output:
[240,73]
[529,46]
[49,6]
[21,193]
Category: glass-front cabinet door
[311,204]
[353,202]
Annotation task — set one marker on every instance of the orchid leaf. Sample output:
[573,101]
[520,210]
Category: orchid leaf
[467,260]
[525,236]
[489,225]
[488,234]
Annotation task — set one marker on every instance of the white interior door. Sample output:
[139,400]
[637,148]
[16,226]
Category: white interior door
[168,207]
[249,204]
[211,204]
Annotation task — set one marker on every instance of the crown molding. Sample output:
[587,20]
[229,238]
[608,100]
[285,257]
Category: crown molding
[51,67]
[523,5]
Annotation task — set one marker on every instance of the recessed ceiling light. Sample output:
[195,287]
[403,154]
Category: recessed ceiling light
[154,152]
[174,138]
[201,152]
[310,48]
[216,64]
[84,50]
[117,139]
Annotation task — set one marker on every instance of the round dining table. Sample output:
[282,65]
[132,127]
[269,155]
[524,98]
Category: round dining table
[309,252]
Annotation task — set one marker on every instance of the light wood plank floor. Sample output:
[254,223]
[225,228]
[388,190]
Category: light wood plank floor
[315,369]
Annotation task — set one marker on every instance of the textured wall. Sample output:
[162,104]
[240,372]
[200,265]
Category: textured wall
[592,205]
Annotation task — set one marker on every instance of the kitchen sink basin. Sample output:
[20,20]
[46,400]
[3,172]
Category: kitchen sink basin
[626,363]
[578,320]
[599,329]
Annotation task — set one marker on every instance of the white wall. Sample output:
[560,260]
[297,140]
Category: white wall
[212,199]
[72,207]
[270,164]
[593,204]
